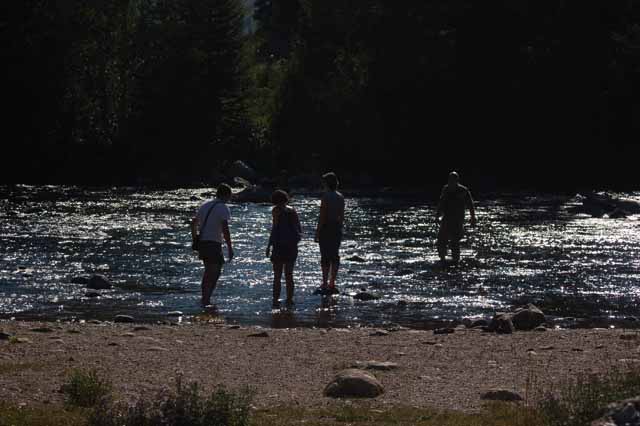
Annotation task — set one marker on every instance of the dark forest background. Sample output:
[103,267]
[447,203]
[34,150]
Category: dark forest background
[515,93]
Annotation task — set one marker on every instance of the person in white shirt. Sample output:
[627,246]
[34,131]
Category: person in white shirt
[210,227]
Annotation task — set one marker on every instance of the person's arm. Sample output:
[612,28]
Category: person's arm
[472,209]
[194,227]
[322,219]
[273,225]
[439,207]
[227,237]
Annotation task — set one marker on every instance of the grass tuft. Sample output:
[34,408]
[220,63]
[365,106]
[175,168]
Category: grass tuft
[85,388]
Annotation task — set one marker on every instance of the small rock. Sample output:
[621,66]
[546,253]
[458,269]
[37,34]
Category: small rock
[618,213]
[21,340]
[94,322]
[73,331]
[4,336]
[42,330]
[375,365]
[501,323]
[365,296]
[128,335]
[99,282]
[501,395]
[123,318]
[379,333]
[141,328]
[175,314]
[629,336]
[547,348]
[259,334]
[479,323]
[540,329]
[527,318]
[402,303]
[80,280]
[92,293]
[354,383]
[430,342]
[233,327]
[445,330]
[356,258]
[112,344]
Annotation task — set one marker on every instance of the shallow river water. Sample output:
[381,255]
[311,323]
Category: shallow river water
[581,271]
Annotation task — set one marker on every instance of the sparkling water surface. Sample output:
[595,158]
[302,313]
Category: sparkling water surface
[525,248]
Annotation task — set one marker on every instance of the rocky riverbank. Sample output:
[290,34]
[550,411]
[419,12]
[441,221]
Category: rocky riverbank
[455,370]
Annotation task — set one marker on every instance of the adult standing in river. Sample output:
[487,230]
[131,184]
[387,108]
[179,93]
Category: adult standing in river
[329,232]
[209,228]
[454,200]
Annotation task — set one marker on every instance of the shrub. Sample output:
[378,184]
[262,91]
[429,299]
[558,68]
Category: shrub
[85,388]
[186,405]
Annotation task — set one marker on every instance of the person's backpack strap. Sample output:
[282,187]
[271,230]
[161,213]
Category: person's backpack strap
[207,217]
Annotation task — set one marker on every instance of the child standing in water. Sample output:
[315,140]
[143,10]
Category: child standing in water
[329,232]
[285,236]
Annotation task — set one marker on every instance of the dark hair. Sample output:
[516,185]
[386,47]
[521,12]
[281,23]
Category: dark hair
[279,197]
[223,191]
[331,180]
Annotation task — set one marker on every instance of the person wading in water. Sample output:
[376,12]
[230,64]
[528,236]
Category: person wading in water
[284,238]
[454,200]
[208,228]
[329,233]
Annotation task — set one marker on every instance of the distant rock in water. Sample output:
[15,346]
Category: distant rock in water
[356,258]
[80,280]
[527,318]
[253,194]
[600,204]
[365,296]
[241,169]
[99,282]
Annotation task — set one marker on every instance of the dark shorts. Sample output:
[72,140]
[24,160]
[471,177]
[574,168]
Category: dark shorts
[330,237]
[211,252]
[284,254]
[450,231]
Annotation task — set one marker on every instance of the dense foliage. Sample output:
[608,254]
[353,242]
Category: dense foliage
[511,92]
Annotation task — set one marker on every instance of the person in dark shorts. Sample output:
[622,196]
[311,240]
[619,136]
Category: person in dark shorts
[454,200]
[284,238]
[210,227]
[329,232]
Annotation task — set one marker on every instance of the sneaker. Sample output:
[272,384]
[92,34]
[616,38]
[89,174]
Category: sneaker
[333,290]
[275,304]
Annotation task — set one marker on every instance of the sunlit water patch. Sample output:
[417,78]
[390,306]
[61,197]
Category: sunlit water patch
[580,270]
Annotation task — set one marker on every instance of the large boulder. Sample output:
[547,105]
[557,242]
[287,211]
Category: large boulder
[622,413]
[99,282]
[527,318]
[243,170]
[354,383]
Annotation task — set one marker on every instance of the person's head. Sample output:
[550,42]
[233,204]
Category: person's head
[330,180]
[454,178]
[279,198]
[223,192]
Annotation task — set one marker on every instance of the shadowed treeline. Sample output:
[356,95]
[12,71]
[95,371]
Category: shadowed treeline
[512,93]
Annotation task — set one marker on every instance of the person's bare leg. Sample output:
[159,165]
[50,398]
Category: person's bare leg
[277,280]
[288,273]
[325,274]
[209,281]
[334,273]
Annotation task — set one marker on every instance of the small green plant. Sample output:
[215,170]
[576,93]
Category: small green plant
[584,400]
[85,388]
[186,405]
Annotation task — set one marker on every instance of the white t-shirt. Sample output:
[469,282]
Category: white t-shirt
[213,229]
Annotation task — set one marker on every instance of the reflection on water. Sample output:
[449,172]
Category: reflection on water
[524,249]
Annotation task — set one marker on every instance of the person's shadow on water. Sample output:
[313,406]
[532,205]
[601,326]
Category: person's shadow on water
[326,312]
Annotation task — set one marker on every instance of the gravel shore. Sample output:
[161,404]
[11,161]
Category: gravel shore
[292,366]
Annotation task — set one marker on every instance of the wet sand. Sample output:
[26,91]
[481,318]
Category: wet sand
[292,366]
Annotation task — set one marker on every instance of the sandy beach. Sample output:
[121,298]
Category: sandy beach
[292,366]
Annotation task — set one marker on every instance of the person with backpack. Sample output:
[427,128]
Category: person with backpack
[209,228]
[285,235]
